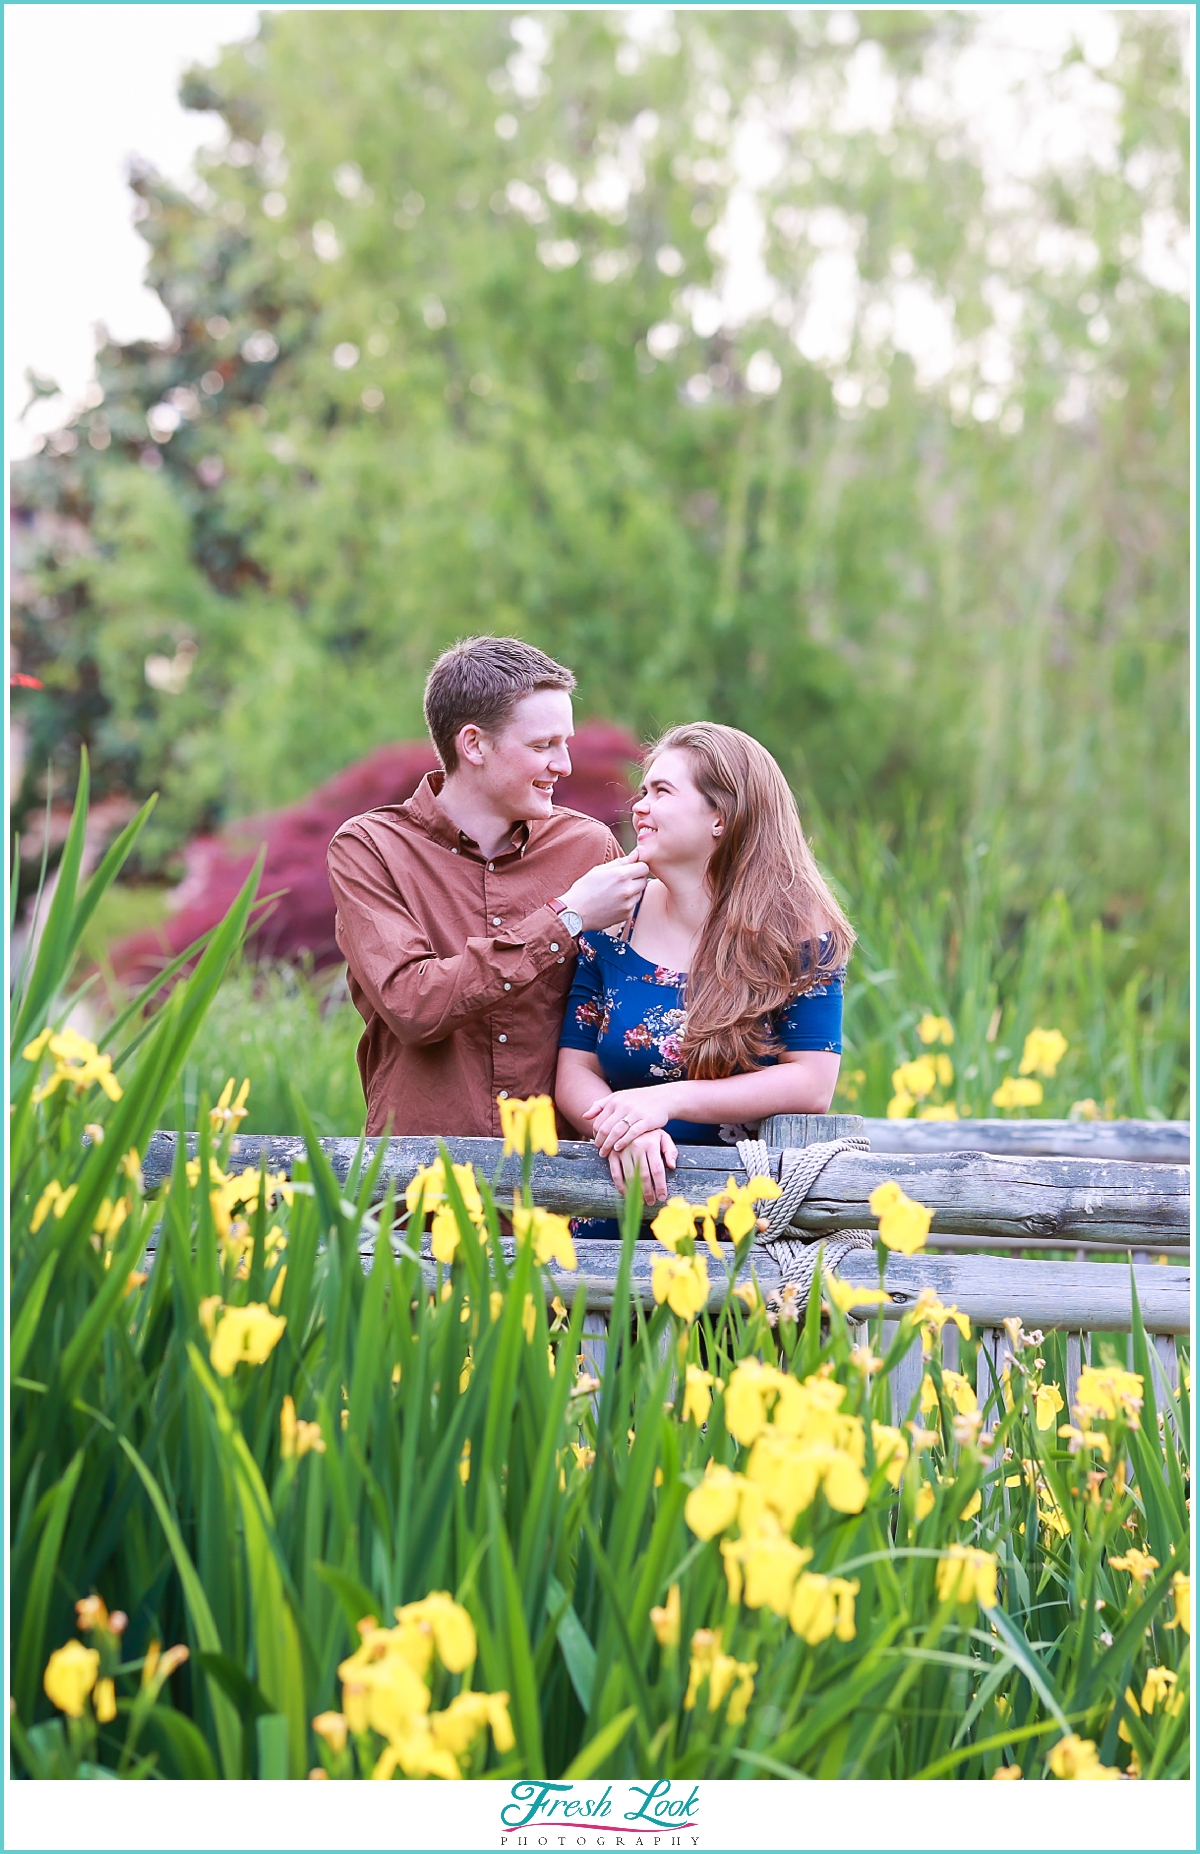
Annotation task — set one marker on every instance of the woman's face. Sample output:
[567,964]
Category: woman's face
[674,821]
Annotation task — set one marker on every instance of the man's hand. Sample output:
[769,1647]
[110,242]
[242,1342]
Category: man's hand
[652,1154]
[608,894]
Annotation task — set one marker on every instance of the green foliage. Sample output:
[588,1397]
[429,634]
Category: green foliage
[453,1447]
[970,585]
[941,931]
[287,1034]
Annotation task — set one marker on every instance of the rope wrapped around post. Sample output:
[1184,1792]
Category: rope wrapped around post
[797,1258]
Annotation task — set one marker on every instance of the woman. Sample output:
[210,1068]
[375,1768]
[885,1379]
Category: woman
[721,1000]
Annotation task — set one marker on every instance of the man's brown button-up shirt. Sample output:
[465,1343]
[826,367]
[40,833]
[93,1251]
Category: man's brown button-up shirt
[458,966]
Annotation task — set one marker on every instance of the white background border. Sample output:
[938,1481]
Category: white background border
[836,1816]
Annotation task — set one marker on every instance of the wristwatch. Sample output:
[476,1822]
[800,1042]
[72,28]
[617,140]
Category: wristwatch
[571,921]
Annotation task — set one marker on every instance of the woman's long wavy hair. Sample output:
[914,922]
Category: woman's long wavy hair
[769,901]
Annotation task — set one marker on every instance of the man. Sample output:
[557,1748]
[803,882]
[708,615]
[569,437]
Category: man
[459,911]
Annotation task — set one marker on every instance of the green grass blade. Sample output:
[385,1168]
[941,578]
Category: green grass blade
[26,1322]
[600,1748]
[224,1714]
[55,948]
[31,1649]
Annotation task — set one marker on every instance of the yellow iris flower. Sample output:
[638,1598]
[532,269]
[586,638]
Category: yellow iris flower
[1140,1565]
[245,1335]
[70,1676]
[55,1199]
[823,1606]
[968,1575]
[550,1234]
[1044,1050]
[697,1394]
[665,1620]
[903,1223]
[681,1281]
[332,1727]
[675,1222]
[712,1507]
[1108,1392]
[761,1567]
[528,1125]
[891,1451]
[1075,1759]
[844,1295]
[722,1672]
[77,1064]
[1017,1093]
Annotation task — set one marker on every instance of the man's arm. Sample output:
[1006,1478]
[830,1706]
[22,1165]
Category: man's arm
[423,998]
[420,997]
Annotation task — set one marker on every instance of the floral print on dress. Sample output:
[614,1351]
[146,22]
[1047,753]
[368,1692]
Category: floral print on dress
[594,1014]
[659,1033]
[631,1015]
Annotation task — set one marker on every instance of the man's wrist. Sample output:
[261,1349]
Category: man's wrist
[570,916]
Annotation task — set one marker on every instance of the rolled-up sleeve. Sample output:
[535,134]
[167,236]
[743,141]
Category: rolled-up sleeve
[420,997]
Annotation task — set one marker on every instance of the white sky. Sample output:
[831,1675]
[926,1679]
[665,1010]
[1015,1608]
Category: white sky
[86,86]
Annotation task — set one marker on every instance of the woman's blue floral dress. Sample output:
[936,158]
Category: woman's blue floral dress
[630,1014]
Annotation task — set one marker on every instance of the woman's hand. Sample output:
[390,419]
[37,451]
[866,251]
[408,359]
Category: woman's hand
[620,1119]
[653,1155]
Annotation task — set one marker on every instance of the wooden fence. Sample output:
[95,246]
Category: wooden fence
[1148,1142]
[1043,1212]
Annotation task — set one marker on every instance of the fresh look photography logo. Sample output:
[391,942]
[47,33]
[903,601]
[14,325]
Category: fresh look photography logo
[543,1814]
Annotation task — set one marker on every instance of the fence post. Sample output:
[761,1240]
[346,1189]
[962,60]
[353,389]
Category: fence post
[1074,1366]
[907,1375]
[1168,1358]
[593,1346]
[810,1129]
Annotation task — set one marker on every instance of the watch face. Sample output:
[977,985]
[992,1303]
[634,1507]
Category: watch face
[572,922]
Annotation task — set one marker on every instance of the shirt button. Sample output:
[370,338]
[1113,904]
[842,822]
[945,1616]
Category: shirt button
[554,946]
[496,920]
[503,1095]
[454,852]
[492,866]
[502,1038]
[507,986]
[561,960]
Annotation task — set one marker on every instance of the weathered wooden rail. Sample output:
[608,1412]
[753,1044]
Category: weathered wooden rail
[1146,1142]
[1030,1202]
[1022,1202]
[1046,1201]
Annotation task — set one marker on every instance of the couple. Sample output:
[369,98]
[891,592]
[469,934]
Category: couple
[498,946]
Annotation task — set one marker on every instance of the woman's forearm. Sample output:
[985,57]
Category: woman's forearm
[576,1088]
[803,1087]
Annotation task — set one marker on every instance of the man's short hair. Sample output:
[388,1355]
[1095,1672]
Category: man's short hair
[481,679]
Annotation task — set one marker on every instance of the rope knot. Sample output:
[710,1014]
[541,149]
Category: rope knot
[795,1254]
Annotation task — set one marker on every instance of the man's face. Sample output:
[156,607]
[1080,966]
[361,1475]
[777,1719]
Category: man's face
[522,762]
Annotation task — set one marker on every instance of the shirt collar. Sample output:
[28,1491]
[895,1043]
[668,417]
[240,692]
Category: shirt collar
[424,809]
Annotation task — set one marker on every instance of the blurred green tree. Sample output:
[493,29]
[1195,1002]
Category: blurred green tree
[459,346]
